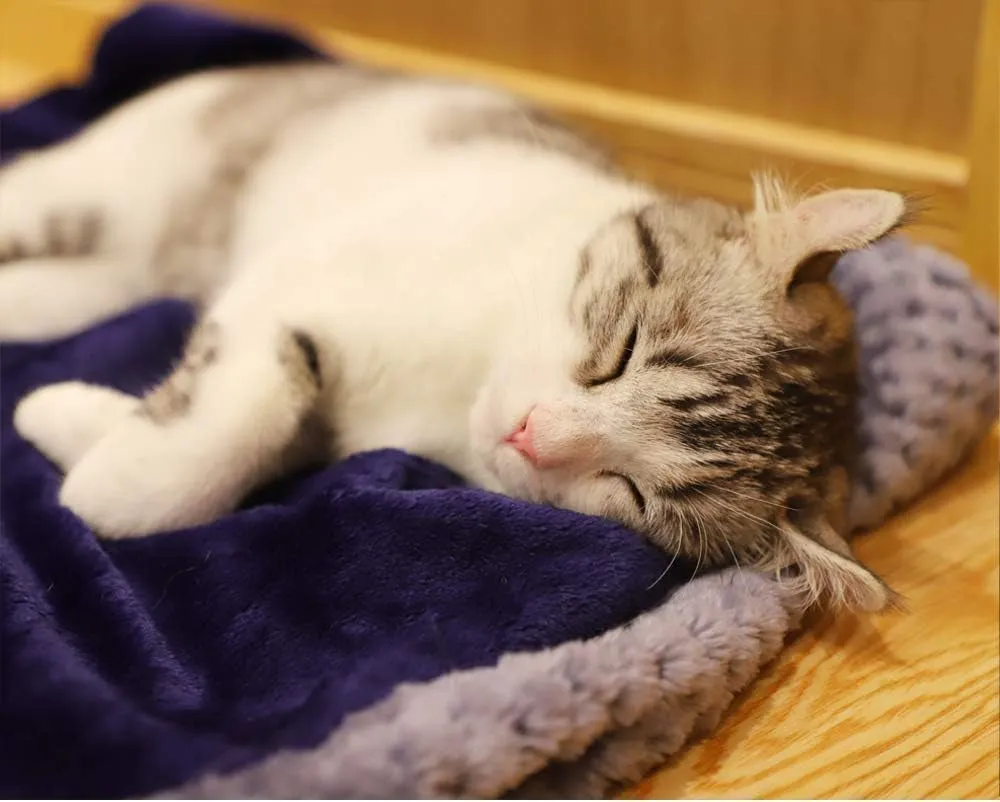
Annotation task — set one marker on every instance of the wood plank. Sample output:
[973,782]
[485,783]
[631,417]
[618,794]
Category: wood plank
[981,233]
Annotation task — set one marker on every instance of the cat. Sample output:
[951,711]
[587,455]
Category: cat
[387,261]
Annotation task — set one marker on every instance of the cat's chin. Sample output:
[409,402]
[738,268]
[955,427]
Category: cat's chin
[501,469]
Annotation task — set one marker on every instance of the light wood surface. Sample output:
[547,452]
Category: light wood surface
[981,233]
[897,706]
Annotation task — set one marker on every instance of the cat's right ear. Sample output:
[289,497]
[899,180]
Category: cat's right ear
[788,233]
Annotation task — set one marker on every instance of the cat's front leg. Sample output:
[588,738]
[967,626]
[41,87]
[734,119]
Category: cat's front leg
[219,426]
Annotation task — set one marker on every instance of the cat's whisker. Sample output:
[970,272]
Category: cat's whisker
[760,355]
[750,497]
[702,547]
[736,560]
[666,570]
[741,513]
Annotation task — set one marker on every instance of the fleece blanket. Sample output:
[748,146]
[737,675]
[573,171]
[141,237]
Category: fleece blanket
[376,628]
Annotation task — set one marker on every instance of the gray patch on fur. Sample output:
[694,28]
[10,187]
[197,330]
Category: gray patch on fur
[12,249]
[521,125]
[310,371]
[242,127]
[650,323]
[172,399]
[299,355]
[64,233]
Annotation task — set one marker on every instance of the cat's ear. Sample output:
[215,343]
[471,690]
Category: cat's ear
[828,572]
[797,238]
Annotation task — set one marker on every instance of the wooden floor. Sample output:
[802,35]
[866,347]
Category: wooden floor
[899,706]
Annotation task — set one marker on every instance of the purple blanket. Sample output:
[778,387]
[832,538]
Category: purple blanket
[134,666]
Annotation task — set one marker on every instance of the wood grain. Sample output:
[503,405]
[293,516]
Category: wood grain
[897,706]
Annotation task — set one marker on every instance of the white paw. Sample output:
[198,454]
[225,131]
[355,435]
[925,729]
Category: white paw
[66,420]
[144,478]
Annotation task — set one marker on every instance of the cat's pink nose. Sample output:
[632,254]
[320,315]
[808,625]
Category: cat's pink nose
[522,438]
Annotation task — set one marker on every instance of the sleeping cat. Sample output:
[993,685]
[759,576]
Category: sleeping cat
[390,262]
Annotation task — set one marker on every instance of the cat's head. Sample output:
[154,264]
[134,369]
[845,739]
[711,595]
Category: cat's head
[707,399]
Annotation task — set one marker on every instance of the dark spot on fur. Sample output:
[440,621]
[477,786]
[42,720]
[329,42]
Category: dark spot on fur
[12,250]
[310,354]
[741,380]
[718,431]
[649,251]
[173,397]
[680,493]
[584,266]
[788,451]
[675,358]
[692,402]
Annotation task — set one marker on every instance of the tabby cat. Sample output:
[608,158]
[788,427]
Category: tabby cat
[383,261]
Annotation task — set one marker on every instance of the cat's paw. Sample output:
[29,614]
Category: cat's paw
[144,478]
[66,420]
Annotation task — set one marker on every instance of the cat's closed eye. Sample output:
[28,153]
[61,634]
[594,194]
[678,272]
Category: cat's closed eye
[623,360]
[633,488]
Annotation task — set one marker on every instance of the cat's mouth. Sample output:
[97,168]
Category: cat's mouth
[515,471]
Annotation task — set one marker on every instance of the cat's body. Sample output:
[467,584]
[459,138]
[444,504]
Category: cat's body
[394,263]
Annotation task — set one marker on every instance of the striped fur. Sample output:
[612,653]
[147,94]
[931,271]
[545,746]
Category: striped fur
[753,385]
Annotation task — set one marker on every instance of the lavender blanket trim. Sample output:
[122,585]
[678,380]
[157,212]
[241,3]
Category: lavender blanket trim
[376,629]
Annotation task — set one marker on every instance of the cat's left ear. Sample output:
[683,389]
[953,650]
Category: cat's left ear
[828,572]
[788,234]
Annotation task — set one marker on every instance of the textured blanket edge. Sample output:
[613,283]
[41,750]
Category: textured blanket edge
[572,721]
